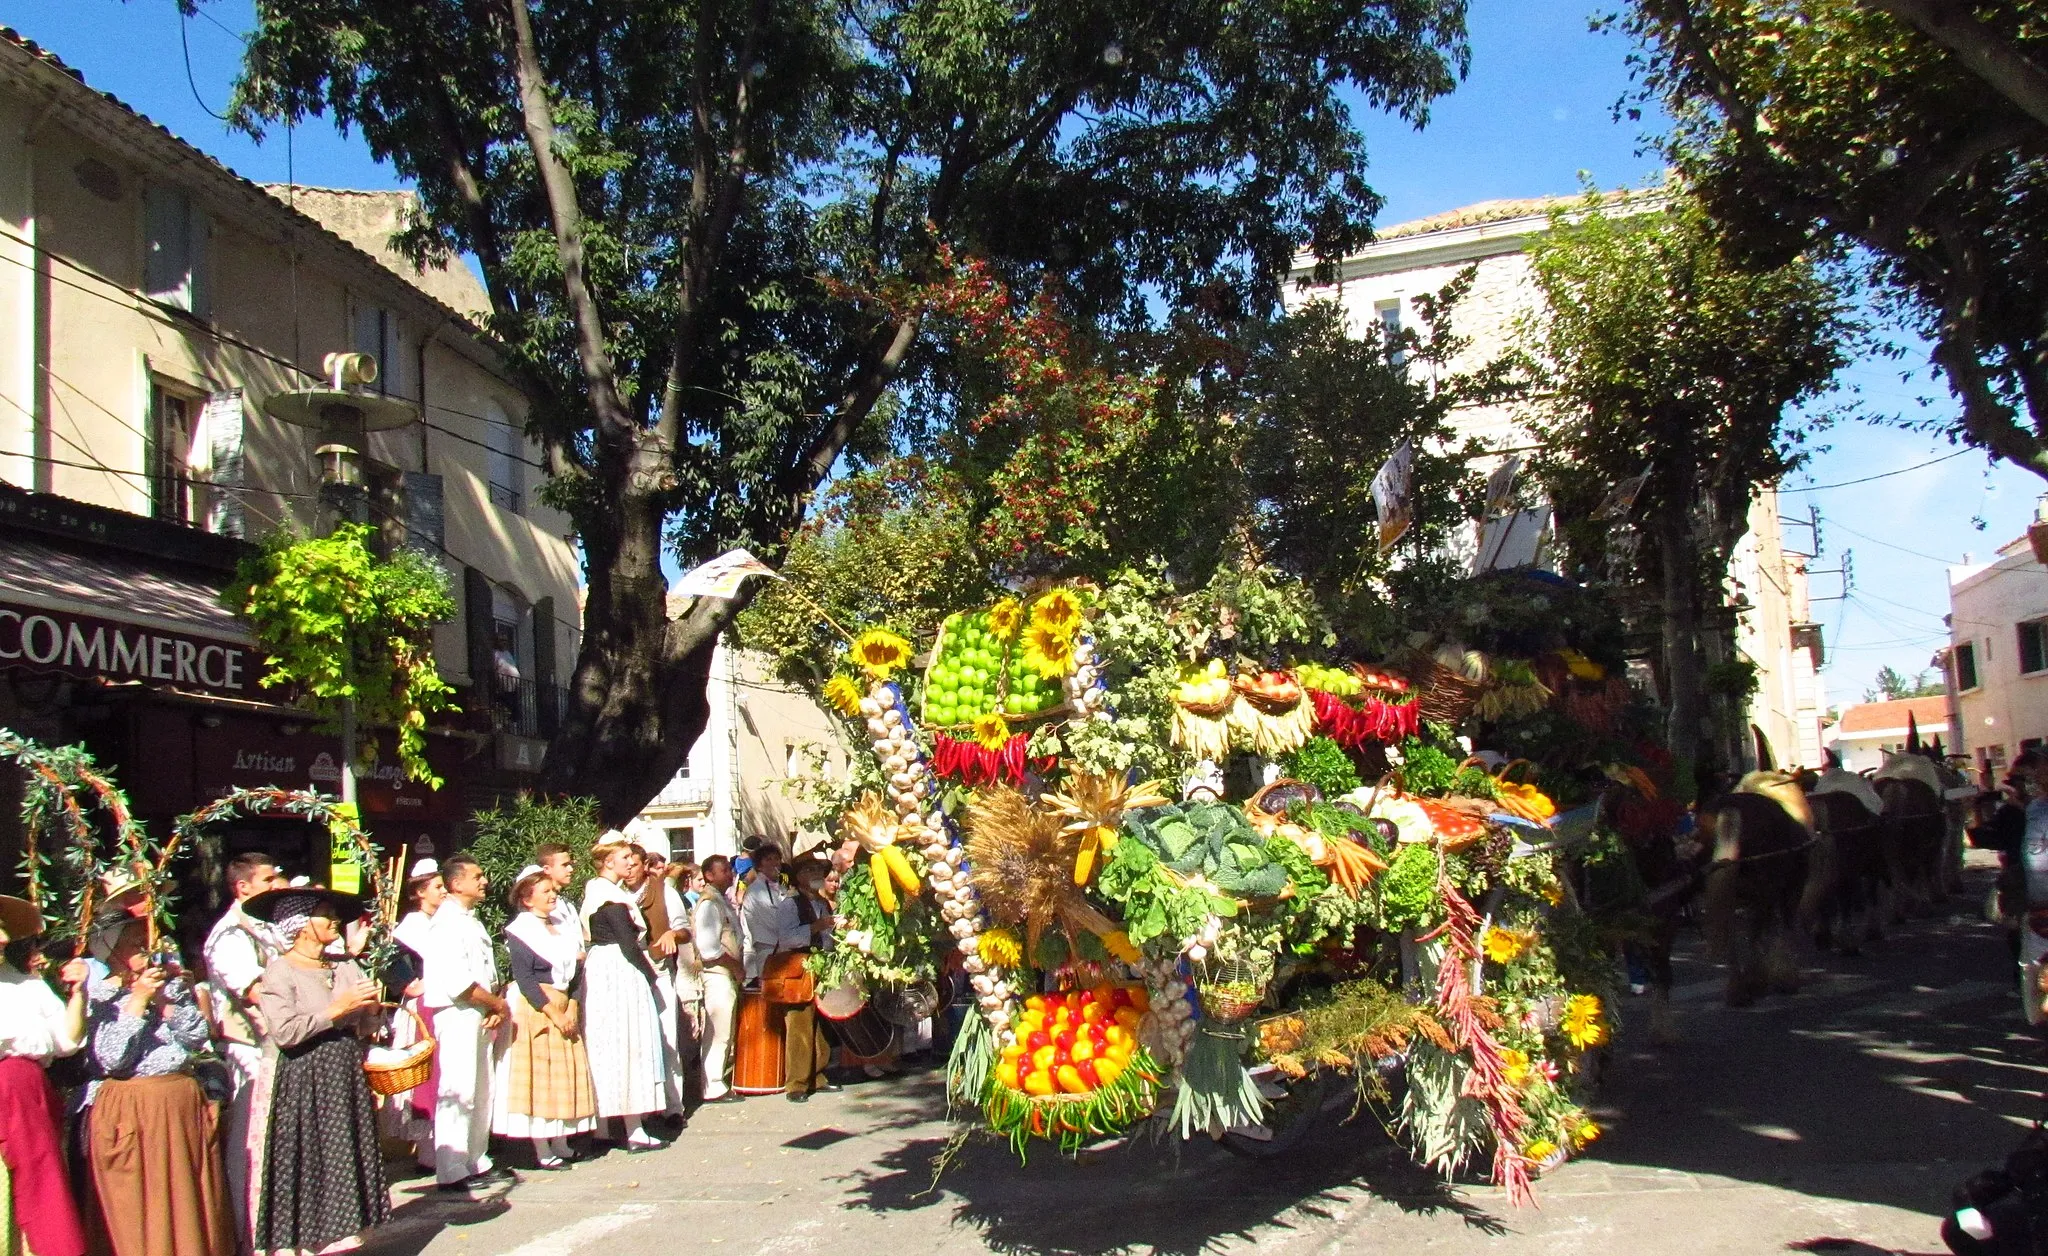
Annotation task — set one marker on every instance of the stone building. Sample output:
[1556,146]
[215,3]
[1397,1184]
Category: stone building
[152,305]
[1378,288]
[1997,658]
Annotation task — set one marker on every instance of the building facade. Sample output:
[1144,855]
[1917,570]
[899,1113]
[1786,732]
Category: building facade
[1997,658]
[152,303]
[1377,289]
[764,745]
[1868,731]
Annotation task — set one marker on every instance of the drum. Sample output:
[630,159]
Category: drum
[757,1060]
[854,1025]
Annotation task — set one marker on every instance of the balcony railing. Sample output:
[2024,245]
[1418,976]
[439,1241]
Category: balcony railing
[523,708]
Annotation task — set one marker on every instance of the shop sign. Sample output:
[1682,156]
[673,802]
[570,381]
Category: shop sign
[90,647]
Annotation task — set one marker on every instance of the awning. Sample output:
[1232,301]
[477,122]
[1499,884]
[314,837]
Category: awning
[116,616]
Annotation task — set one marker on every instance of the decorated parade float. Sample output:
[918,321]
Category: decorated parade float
[1211,881]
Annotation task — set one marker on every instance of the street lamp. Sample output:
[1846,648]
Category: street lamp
[344,418]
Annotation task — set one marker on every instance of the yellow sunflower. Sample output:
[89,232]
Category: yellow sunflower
[843,695]
[1048,651]
[1586,1133]
[1000,948]
[1584,1024]
[880,653]
[1059,611]
[990,731]
[1539,1150]
[1515,1067]
[1505,946]
[1004,617]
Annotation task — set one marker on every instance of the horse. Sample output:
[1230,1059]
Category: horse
[1650,894]
[1849,877]
[1762,838]
[1917,825]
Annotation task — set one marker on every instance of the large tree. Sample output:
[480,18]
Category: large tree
[1914,131]
[674,203]
[1666,362]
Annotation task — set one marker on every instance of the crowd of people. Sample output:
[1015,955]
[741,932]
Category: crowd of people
[150,1107]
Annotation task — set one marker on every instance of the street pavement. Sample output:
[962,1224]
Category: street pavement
[1836,1120]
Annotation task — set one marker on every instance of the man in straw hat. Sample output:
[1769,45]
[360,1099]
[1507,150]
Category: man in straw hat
[461,995]
[37,1212]
[237,950]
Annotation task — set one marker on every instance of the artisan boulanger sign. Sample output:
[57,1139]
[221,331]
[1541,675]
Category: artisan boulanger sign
[52,640]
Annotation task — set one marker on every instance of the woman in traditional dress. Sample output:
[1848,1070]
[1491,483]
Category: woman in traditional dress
[620,1010]
[323,1172]
[543,1087]
[410,1114]
[37,1214]
[153,1135]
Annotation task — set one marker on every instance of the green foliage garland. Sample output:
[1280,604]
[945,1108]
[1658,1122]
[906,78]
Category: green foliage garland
[339,623]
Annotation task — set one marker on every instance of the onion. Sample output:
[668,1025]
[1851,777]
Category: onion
[974,964]
[870,708]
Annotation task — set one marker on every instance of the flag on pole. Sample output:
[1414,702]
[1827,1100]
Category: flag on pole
[722,576]
[1393,496]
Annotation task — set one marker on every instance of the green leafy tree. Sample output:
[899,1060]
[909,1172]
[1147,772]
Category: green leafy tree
[339,624]
[1893,685]
[653,192]
[1913,131]
[1663,360]
[506,839]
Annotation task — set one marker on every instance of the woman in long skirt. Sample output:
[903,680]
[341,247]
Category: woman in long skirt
[323,1172]
[152,1137]
[620,1010]
[543,1089]
[37,1214]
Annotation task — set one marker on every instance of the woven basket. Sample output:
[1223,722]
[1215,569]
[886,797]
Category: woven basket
[1271,706]
[1444,695]
[1208,710]
[411,1072]
[1222,985]
[1276,798]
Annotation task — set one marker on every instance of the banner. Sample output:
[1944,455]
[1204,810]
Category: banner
[1393,496]
[722,576]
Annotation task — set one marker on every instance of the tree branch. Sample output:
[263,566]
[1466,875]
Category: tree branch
[614,422]
[1988,421]
[1987,54]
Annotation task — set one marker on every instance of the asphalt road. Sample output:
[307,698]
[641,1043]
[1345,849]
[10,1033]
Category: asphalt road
[1835,1120]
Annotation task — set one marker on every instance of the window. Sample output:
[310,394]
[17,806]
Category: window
[2034,647]
[174,250]
[175,494]
[1966,666]
[682,843]
[792,759]
[375,331]
[1994,757]
[1389,313]
[507,460]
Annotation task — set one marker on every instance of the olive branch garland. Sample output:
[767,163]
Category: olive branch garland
[51,808]
[340,819]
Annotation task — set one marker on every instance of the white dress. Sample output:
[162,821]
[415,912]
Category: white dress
[621,1018]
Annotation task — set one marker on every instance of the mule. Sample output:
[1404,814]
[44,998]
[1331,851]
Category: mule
[1848,884]
[1761,837]
[1916,836]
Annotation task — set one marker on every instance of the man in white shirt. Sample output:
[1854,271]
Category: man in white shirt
[236,952]
[461,995]
[715,930]
[768,913]
[559,862]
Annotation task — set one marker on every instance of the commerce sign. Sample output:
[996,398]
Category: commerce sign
[91,647]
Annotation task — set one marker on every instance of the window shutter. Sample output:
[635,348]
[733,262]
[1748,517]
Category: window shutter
[544,682]
[167,256]
[222,421]
[425,514]
[198,262]
[476,612]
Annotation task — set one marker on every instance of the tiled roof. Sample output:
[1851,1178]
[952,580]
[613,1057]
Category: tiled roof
[1502,210]
[11,39]
[1931,714]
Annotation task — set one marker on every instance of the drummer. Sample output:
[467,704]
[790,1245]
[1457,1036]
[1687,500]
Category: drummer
[806,1049]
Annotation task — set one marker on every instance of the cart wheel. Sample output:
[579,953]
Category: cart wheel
[1311,1106]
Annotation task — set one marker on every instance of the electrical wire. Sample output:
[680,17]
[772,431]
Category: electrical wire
[1882,475]
[1864,536]
[185,43]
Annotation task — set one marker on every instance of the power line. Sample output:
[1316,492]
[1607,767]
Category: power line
[185,43]
[1933,558]
[1882,475]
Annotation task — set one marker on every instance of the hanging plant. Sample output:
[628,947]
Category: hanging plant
[338,623]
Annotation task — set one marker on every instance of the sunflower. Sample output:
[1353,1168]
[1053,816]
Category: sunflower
[1004,618]
[1515,1067]
[1586,1133]
[1539,1150]
[880,653]
[1584,1024]
[1505,946]
[843,696]
[1048,652]
[991,732]
[1059,611]
[1000,948]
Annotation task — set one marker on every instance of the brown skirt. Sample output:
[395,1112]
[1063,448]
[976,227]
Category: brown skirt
[154,1147]
[548,1075]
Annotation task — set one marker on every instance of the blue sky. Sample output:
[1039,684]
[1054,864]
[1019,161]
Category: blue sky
[1535,112]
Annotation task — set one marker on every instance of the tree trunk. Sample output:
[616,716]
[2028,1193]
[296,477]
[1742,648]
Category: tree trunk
[637,699]
[1684,676]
